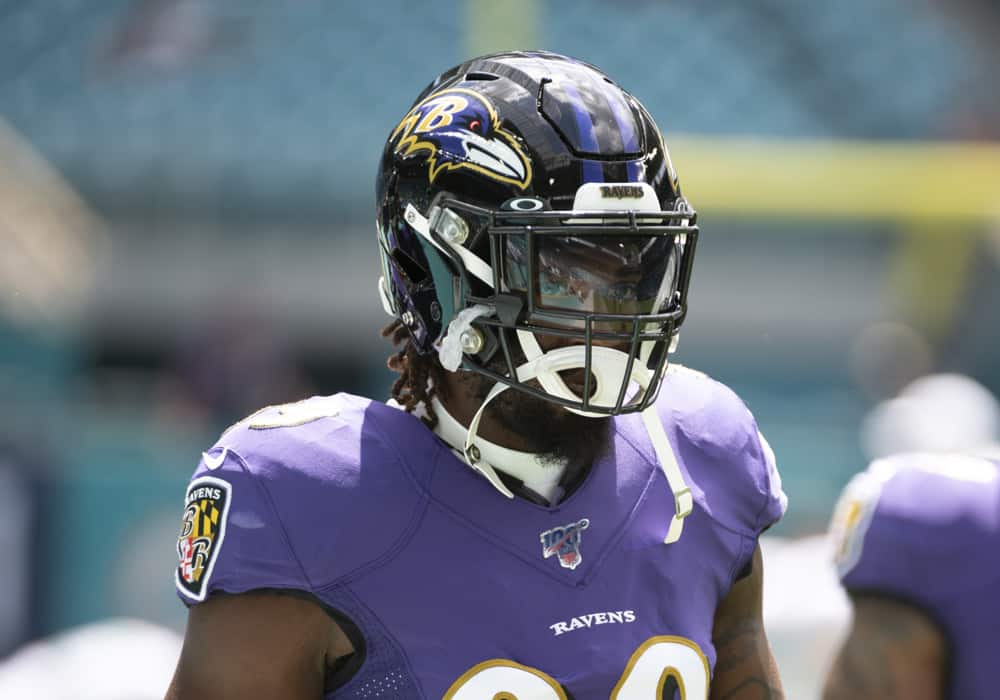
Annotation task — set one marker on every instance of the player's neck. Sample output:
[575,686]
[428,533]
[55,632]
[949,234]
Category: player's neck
[530,475]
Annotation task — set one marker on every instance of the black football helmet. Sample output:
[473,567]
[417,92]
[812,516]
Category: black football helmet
[530,216]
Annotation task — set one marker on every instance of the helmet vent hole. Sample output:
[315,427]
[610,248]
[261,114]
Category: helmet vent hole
[480,76]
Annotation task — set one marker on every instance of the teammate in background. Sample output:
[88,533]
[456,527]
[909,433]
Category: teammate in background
[916,539]
[544,509]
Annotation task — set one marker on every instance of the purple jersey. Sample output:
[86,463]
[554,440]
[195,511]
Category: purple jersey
[462,593]
[925,529]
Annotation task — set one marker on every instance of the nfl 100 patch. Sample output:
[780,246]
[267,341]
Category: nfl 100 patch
[564,542]
[203,527]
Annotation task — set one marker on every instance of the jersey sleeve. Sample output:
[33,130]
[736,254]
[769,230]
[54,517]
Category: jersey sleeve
[733,465]
[717,436]
[775,499]
[231,539]
[907,525]
[296,497]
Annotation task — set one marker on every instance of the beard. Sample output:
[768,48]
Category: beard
[548,430]
[553,433]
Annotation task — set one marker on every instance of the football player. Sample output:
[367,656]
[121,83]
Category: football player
[916,539]
[543,510]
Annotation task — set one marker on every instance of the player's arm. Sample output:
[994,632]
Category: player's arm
[262,645]
[745,668]
[892,651]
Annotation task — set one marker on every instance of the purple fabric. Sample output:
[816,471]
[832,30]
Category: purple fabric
[933,540]
[369,511]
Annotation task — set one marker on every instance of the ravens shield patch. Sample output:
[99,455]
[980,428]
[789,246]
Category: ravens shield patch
[203,527]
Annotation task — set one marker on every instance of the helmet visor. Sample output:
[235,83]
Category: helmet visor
[620,275]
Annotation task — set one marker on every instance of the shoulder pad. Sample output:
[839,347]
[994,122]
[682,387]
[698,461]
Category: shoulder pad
[707,412]
[717,439]
[330,479]
[909,522]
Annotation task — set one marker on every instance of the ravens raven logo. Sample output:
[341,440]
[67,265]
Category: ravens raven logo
[459,128]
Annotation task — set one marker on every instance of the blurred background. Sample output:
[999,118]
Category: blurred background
[186,220]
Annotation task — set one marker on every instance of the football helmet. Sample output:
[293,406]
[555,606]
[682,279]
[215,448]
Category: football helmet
[531,225]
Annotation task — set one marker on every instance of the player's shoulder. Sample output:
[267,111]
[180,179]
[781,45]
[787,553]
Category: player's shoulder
[717,439]
[340,454]
[706,412]
[926,496]
[312,490]
[322,431]
[908,516]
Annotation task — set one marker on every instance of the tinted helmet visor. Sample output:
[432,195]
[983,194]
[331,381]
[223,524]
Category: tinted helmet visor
[609,275]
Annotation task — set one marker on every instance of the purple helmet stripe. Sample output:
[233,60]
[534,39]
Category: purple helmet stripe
[592,170]
[624,119]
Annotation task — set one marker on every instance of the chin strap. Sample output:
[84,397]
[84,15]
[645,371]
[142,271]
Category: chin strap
[472,453]
[683,501]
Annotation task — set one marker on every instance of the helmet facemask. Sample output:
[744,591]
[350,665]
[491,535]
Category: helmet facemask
[578,307]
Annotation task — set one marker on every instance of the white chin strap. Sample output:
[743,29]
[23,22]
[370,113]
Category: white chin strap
[545,367]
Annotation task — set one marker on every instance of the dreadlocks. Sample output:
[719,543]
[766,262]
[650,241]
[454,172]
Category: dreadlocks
[412,387]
